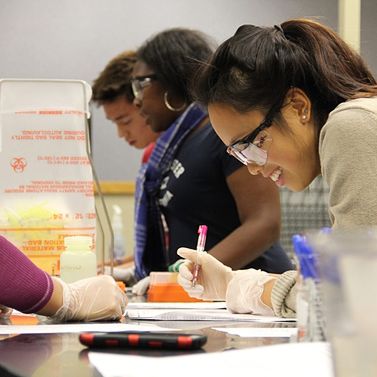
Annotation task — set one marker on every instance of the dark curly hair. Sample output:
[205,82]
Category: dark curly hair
[174,55]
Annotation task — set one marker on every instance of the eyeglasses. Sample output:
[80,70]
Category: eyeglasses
[253,148]
[140,82]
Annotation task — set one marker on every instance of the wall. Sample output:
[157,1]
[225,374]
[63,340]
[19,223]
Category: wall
[368,35]
[76,38]
[126,203]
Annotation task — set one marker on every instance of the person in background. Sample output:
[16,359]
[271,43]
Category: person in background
[190,179]
[112,91]
[290,102]
[25,287]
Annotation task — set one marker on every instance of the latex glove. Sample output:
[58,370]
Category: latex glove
[175,266]
[5,312]
[141,287]
[91,299]
[244,292]
[213,277]
[124,274]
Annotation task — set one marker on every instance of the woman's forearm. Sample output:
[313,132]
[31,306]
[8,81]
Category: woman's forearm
[56,300]
[23,286]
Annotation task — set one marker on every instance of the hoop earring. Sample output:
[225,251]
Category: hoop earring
[170,107]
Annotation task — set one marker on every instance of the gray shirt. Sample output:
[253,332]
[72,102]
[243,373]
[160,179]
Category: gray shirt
[348,157]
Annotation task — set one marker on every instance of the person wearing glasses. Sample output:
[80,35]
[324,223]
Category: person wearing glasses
[291,102]
[190,179]
[25,287]
[112,90]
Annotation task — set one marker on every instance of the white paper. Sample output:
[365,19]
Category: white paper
[259,332]
[199,315]
[177,305]
[283,360]
[76,328]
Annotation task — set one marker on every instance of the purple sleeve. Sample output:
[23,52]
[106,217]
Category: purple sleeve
[23,286]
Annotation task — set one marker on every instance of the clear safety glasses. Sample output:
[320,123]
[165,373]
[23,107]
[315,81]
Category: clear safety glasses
[138,84]
[253,148]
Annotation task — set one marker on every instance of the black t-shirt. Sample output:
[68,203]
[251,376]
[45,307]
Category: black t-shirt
[194,192]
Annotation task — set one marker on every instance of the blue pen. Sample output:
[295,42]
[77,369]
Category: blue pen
[312,323]
[306,257]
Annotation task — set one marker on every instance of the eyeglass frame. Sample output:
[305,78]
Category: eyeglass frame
[143,82]
[249,139]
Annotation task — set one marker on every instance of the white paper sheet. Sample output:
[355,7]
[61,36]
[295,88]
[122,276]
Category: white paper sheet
[259,332]
[199,315]
[76,328]
[283,360]
[177,305]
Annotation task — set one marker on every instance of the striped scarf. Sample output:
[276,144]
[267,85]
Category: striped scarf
[150,247]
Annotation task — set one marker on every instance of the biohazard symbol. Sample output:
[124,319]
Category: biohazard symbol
[18,164]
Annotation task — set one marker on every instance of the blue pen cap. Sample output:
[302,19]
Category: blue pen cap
[306,257]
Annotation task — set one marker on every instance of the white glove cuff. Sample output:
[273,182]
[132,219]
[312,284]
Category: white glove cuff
[64,313]
[244,292]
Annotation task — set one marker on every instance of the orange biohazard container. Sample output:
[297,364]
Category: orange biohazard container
[163,287]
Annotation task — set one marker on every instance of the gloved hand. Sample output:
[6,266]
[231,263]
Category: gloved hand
[124,274]
[175,266]
[213,277]
[141,287]
[91,299]
[245,291]
[5,312]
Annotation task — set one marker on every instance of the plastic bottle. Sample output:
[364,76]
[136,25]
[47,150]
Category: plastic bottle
[78,261]
[310,316]
[117,225]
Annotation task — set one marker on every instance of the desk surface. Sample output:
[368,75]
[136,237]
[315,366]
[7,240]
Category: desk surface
[61,355]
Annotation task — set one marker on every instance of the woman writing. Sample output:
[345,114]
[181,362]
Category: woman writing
[291,102]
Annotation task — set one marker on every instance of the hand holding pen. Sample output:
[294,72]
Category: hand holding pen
[213,278]
[200,249]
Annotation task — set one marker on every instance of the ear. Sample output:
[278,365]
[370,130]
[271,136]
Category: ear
[300,103]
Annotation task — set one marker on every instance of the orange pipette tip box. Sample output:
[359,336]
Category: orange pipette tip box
[16,319]
[163,287]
